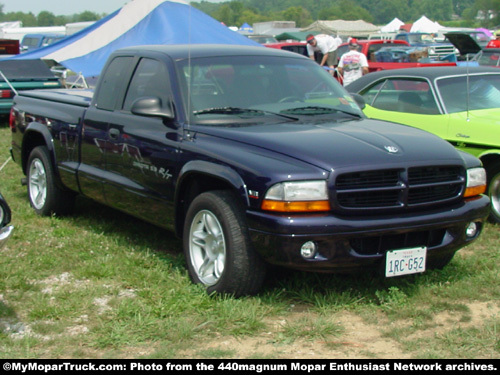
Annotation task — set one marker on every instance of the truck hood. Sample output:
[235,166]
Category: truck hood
[464,43]
[330,145]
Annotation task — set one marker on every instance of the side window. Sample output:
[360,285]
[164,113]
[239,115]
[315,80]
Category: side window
[150,79]
[370,93]
[113,82]
[406,95]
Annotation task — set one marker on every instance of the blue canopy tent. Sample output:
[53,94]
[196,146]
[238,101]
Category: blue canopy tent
[246,27]
[139,22]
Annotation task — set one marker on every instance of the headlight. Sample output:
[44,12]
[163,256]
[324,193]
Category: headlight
[476,182]
[298,196]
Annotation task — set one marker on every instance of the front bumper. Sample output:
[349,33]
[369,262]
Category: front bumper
[347,244]
[5,233]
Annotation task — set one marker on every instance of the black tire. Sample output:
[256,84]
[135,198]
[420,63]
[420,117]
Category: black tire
[493,173]
[44,195]
[217,248]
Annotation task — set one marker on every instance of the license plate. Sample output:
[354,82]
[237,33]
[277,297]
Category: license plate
[405,261]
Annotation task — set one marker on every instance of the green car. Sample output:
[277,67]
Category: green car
[19,75]
[459,104]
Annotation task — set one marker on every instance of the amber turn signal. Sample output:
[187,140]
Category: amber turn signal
[299,206]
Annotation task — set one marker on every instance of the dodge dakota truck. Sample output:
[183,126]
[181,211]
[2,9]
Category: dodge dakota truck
[253,156]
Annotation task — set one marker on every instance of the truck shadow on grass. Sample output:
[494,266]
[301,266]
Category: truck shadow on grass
[281,284]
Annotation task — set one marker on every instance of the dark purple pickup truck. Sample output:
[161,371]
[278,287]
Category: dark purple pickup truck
[253,156]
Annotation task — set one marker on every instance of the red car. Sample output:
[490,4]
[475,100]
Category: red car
[298,47]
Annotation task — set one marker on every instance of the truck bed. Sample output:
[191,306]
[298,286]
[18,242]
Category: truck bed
[78,97]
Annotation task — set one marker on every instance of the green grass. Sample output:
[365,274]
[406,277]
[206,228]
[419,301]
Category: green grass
[100,284]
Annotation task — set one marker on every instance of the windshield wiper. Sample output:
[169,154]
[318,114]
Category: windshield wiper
[317,110]
[239,111]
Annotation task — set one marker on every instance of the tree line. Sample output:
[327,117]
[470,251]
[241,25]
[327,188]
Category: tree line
[380,12]
[304,12]
[45,18]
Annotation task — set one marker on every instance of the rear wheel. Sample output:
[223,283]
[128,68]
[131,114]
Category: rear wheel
[45,196]
[217,248]
[493,173]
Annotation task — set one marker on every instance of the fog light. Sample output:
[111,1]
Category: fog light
[309,250]
[471,230]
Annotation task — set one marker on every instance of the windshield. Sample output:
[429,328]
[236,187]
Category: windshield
[484,92]
[421,38]
[488,58]
[480,37]
[261,88]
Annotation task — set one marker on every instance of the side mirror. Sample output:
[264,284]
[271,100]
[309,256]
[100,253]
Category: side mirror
[359,100]
[151,107]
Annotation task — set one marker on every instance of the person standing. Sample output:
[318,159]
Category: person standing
[325,44]
[352,64]
[494,43]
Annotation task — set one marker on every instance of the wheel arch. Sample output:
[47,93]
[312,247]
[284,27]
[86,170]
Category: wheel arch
[489,158]
[36,135]
[199,176]
[491,163]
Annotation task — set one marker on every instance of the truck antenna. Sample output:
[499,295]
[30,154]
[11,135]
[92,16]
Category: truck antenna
[468,87]
[8,82]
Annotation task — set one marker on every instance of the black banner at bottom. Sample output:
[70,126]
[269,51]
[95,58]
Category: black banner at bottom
[264,366]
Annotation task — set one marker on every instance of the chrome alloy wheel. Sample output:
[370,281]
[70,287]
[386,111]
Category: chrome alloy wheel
[37,184]
[207,247]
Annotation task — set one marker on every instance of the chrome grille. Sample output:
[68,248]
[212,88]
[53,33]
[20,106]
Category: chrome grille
[398,188]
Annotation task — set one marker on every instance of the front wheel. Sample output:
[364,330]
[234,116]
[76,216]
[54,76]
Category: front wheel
[493,173]
[45,196]
[217,248]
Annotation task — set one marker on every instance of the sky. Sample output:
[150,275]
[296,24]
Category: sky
[66,7]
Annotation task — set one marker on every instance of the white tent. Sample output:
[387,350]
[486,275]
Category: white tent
[356,29]
[425,25]
[392,26]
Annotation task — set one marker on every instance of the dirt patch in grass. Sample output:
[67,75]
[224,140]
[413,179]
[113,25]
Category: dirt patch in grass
[358,340]
[294,335]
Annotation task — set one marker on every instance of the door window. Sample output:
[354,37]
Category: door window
[150,80]
[115,77]
[402,95]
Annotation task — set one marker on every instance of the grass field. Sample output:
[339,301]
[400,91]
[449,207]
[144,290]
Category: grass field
[100,284]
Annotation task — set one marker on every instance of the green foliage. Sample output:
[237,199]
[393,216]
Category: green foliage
[379,12]
[300,15]
[304,12]
[45,18]
[489,10]
[345,10]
